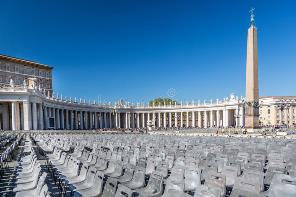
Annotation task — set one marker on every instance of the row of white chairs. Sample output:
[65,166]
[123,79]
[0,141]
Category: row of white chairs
[30,180]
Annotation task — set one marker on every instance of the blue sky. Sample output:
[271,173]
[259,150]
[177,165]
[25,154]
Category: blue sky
[141,49]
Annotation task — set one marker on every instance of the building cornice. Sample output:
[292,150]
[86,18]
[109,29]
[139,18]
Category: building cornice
[25,62]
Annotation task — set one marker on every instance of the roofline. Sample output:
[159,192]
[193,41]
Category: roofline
[277,97]
[26,62]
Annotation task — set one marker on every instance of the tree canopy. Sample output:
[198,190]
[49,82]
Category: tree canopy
[162,102]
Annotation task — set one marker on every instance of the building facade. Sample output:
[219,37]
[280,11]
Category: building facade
[278,111]
[28,108]
[19,71]
[24,107]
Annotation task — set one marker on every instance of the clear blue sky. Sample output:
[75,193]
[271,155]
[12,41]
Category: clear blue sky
[140,49]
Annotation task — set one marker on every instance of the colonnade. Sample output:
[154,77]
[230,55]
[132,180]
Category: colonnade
[72,119]
[38,116]
[201,119]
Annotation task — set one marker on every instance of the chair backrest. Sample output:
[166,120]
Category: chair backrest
[251,181]
[282,186]
[139,176]
[94,159]
[177,175]
[63,156]
[110,187]
[231,170]
[91,174]
[101,162]
[99,177]
[129,171]
[150,168]
[254,165]
[67,160]
[123,191]
[36,172]
[41,182]
[43,191]
[162,170]
[192,180]
[155,182]
[83,170]
[216,180]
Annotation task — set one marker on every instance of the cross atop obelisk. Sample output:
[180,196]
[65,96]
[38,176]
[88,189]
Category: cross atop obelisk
[252,17]
[252,90]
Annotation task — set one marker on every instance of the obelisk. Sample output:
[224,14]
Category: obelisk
[252,90]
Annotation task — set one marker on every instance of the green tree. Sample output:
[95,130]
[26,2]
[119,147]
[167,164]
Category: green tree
[162,102]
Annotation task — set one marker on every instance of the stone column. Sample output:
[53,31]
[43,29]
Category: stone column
[148,117]
[40,117]
[170,119]
[154,119]
[236,112]
[110,120]
[181,114]
[199,119]
[18,116]
[218,118]
[206,119]
[187,119]
[53,116]
[119,120]
[81,120]
[27,115]
[76,120]
[101,120]
[132,120]
[126,121]
[286,115]
[281,116]
[193,119]
[291,116]
[211,118]
[164,120]
[62,119]
[138,120]
[86,125]
[241,115]
[91,120]
[273,113]
[96,120]
[34,114]
[225,118]
[13,116]
[143,120]
[58,119]
[67,119]
[159,120]
[116,120]
[176,119]
[71,119]
[46,117]
[129,119]
[105,119]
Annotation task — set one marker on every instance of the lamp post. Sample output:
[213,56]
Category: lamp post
[282,107]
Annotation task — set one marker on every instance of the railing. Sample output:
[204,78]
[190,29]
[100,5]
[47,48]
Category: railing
[83,102]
